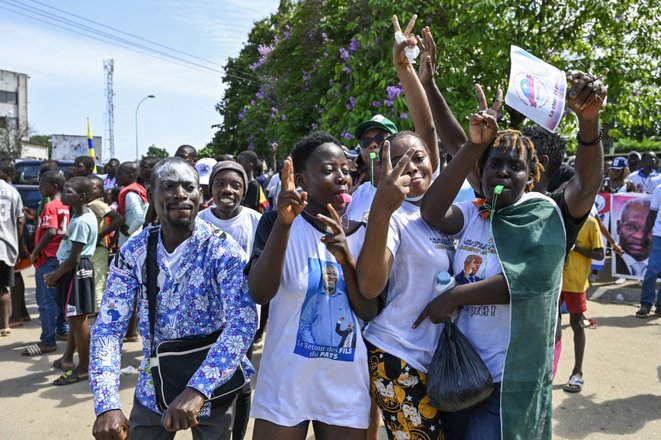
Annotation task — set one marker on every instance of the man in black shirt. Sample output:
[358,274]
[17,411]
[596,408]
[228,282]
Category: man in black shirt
[248,160]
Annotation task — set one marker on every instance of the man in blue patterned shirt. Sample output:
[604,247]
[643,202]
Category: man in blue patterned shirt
[202,289]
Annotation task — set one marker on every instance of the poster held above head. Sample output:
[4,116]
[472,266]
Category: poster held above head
[536,89]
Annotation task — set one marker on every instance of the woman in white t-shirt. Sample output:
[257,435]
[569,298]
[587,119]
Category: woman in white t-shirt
[403,254]
[314,363]
[509,300]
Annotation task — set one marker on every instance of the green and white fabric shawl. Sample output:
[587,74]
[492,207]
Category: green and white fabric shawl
[530,242]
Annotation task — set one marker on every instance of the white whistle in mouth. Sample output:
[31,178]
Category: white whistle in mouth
[411,52]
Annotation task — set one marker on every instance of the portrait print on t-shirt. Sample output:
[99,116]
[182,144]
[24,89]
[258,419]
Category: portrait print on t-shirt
[472,265]
[475,260]
[327,327]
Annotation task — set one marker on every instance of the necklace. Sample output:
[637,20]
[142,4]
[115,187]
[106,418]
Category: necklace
[344,221]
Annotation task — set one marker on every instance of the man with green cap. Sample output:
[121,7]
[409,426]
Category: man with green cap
[370,135]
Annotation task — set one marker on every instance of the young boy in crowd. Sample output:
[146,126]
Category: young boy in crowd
[51,227]
[108,220]
[589,246]
[83,166]
[254,198]
[74,278]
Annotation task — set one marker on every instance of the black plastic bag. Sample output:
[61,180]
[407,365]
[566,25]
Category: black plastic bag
[457,378]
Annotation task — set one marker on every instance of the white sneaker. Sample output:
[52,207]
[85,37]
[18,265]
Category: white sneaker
[620,281]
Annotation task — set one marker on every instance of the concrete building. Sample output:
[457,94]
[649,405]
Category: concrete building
[13,109]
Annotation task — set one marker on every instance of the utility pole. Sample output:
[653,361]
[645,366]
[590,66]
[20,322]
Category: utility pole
[108,69]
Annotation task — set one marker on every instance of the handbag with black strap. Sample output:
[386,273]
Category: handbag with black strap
[173,363]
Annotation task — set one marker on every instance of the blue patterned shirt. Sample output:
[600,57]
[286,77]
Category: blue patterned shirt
[207,292]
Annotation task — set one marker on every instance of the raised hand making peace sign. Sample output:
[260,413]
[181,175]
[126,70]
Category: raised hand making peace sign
[483,125]
[335,238]
[290,202]
[409,41]
[394,184]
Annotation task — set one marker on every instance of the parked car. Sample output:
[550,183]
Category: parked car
[27,171]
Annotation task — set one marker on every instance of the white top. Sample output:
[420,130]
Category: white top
[655,204]
[273,189]
[420,253]
[11,209]
[314,363]
[361,201]
[172,259]
[486,326]
[643,183]
[134,215]
[242,227]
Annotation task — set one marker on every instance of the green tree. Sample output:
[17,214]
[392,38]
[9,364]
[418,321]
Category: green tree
[155,151]
[327,64]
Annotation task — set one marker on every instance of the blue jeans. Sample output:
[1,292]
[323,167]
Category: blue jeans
[647,296]
[50,314]
[481,422]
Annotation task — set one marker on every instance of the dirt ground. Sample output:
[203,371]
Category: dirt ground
[621,397]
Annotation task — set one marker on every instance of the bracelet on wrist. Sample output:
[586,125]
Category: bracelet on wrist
[594,142]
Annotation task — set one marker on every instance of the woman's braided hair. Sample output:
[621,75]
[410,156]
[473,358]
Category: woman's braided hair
[513,139]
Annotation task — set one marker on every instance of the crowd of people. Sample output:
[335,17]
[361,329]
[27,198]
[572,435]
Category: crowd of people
[330,259]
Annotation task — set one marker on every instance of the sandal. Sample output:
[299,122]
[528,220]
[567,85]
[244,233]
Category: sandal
[5,332]
[135,338]
[37,350]
[589,323]
[69,377]
[59,365]
[574,385]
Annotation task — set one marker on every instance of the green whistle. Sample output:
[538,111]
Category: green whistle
[498,189]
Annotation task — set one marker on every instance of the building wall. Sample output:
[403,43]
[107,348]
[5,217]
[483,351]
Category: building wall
[14,101]
[32,151]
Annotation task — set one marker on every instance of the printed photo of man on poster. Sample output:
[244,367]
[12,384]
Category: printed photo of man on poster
[628,214]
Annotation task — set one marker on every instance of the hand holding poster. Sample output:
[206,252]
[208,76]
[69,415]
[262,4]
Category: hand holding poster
[536,89]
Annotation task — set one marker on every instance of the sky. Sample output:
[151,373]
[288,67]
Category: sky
[66,79]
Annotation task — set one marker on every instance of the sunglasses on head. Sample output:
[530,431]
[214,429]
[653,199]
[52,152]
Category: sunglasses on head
[365,142]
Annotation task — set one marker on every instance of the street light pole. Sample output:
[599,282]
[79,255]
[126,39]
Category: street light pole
[137,154]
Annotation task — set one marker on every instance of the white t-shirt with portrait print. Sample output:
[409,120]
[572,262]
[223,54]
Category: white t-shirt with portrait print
[419,253]
[486,326]
[314,362]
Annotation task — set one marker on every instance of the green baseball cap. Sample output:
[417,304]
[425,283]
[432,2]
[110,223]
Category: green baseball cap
[378,121]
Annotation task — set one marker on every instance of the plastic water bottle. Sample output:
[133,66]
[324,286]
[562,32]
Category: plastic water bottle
[444,281]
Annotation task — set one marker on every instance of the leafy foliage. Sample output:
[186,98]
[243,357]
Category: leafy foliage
[155,151]
[327,64]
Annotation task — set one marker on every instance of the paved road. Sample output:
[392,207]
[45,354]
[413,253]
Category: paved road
[621,398]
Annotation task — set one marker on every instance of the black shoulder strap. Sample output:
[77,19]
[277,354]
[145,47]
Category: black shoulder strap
[152,279]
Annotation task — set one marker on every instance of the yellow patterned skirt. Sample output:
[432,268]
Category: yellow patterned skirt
[400,393]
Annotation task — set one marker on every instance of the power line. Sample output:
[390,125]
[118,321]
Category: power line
[85,28]
[67,24]
[125,33]
[100,39]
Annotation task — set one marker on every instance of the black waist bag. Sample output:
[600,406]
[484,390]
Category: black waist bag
[177,361]
[173,363]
